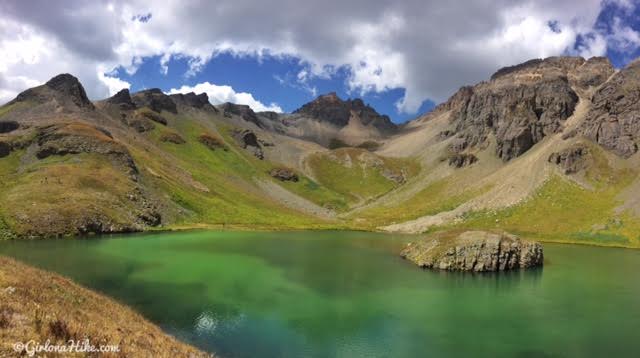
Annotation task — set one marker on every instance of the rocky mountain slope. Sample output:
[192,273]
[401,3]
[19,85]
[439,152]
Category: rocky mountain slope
[546,149]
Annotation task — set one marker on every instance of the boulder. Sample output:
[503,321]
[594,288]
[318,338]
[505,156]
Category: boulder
[5,149]
[572,159]
[8,126]
[248,140]
[476,251]
[284,174]
[462,160]
[172,137]
[212,142]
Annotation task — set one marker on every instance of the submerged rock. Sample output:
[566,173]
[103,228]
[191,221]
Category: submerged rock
[476,251]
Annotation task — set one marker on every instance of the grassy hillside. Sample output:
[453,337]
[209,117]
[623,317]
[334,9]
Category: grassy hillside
[359,175]
[41,306]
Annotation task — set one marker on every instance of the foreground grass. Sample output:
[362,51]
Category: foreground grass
[40,306]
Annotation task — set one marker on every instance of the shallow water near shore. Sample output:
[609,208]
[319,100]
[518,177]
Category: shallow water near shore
[349,294]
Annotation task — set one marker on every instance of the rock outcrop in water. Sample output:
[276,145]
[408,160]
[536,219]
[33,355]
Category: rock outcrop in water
[476,251]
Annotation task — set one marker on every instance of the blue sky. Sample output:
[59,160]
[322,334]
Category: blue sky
[270,79]
[400,57]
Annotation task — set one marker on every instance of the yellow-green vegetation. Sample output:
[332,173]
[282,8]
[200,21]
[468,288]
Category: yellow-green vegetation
[42,306]
[216,187]
[359,175]
[565,211]
[7,108]
[439,196]
[51,193]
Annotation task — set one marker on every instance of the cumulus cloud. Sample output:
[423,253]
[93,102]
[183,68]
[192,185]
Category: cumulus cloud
[427,48]
[221,94]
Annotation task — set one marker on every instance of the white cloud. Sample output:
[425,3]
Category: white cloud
[428,48]
[221,94]
[113,84]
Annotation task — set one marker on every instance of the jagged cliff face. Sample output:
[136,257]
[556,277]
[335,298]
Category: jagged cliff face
[614,118]
[521,104]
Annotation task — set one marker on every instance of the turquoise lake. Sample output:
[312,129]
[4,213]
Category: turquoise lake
[349,294]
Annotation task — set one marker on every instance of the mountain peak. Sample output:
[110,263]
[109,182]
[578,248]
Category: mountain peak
[332,109]
[191,99]
[122,99]
[63,87]
[155,99]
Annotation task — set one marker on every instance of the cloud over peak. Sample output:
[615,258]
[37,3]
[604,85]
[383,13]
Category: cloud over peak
[221,94]
[427,48]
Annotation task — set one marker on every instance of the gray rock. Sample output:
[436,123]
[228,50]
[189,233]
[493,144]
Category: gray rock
[330,108]
[122,99]
[572,159]
[5,149]
[248,140]
[476,251]
[192,100]
[8,126]
[244,111]
[462,160]
[155,99]
[284,174]
[521,104]
[613,120]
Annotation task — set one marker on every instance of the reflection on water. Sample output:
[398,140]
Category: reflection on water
[348,294]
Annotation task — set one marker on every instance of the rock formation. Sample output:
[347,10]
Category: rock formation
[155,99]
[122,99]
[330,108]
[521,104]
[284,174]
[476,251]
[248,140]
[244,111]
[191,99]
[572,159]
[65,89]
[612,120]
[462,160]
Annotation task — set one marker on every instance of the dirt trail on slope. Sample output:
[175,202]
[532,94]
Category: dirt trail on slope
[293,201]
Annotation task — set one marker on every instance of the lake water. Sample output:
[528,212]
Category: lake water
[348,294]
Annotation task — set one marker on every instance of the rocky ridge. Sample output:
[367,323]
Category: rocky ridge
[521,104]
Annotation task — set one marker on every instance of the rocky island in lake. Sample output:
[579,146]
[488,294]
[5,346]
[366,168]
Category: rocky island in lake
[477,251]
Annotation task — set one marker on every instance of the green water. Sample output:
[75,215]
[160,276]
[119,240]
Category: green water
[348,294]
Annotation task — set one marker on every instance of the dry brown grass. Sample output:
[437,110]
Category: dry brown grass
[37,305]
